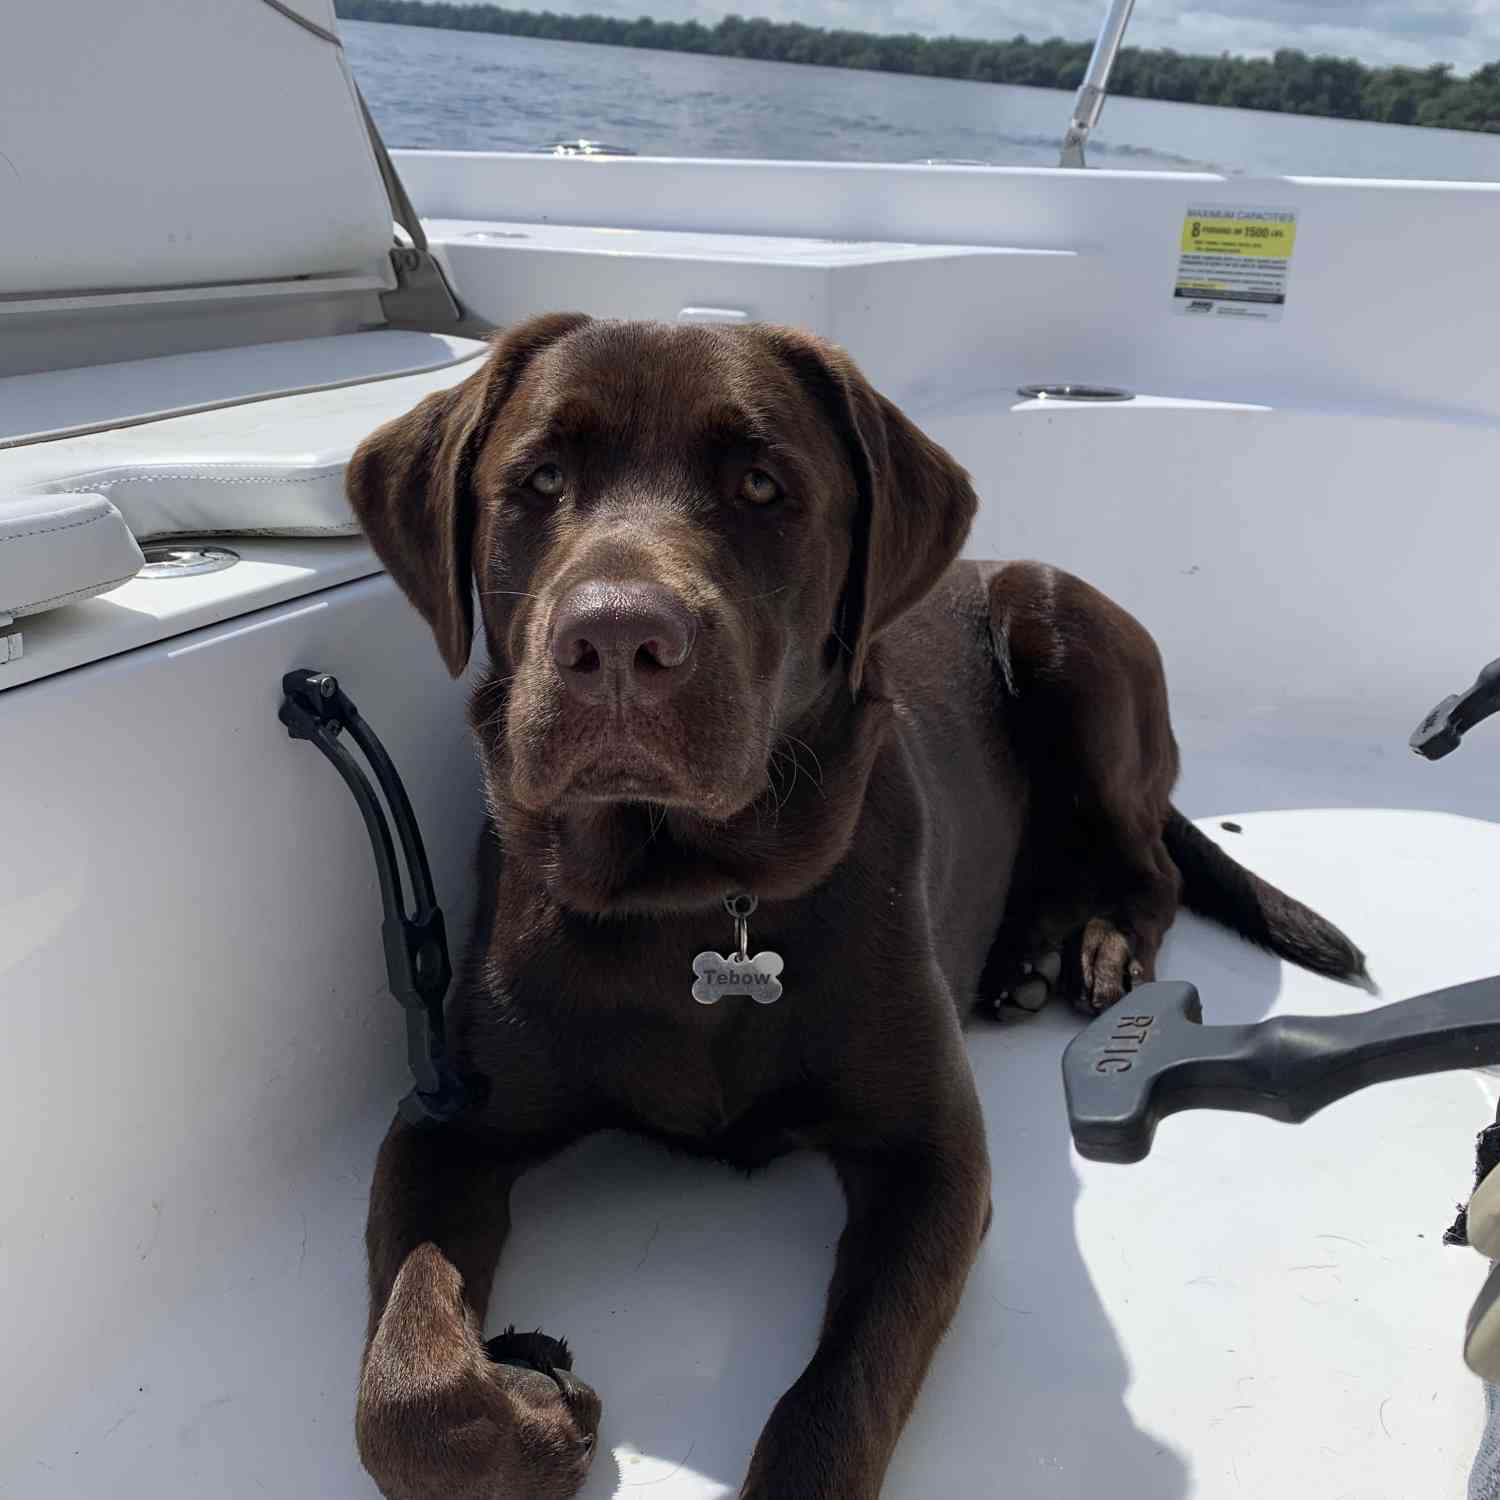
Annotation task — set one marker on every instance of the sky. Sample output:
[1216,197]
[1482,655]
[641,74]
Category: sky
[1417,33]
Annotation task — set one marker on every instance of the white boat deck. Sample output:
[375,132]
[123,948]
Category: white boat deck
[1256,1309]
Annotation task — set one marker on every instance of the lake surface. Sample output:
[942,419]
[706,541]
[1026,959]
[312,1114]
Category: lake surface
[474,91]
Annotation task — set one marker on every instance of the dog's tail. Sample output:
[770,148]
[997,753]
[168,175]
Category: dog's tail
[1216,887]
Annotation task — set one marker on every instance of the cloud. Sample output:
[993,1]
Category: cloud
[1416,33]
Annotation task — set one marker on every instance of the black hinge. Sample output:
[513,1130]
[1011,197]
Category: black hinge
[422,300]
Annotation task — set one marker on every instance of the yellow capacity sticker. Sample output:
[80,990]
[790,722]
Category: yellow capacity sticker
[1269,235]
[1233,262]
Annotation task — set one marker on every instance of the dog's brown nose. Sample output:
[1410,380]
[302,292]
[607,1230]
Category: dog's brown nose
[622,640]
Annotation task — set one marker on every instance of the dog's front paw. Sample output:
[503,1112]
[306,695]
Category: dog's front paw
[559,1413]
[516,1426]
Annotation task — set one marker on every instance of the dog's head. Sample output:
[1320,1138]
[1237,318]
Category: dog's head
[682,538]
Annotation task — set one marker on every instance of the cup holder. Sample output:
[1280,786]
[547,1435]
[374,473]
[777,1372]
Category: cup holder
[185,560]
[1061,392]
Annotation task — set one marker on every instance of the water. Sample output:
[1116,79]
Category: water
[477,92]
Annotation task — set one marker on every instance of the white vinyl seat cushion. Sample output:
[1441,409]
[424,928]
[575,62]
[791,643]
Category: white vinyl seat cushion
[55,404]
[55,549]
[73,510]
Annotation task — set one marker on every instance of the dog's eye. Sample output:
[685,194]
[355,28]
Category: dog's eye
[547,481]
[759,488]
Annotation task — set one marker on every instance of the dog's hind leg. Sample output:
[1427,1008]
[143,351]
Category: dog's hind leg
[1085,704]
[441,1413]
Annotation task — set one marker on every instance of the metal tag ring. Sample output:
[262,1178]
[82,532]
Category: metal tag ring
[741,905]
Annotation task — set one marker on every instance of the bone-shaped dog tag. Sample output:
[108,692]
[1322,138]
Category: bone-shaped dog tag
[753,975]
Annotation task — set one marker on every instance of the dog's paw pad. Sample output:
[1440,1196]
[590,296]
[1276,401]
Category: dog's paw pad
[1049,966]
[1029,986]
[1031,995]
[536,1349]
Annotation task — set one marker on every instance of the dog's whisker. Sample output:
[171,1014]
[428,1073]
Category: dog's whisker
[778,759]
[766,802]
[794,741]
[656,819]
[491,719]
[792,784]
[498,712]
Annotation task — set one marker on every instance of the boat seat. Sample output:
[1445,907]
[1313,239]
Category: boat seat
[57,549]
[232,442]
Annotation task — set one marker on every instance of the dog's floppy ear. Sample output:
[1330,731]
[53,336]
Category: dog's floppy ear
[915,502]
[408,484]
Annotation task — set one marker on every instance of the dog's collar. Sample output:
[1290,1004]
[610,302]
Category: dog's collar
[740,972]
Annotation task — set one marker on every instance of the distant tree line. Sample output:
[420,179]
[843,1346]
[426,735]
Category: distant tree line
[1291,82]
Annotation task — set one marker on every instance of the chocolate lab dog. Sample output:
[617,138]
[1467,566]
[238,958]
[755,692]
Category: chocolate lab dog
[732,655]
